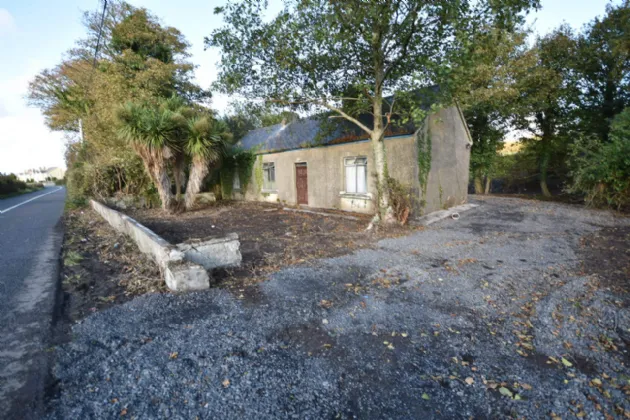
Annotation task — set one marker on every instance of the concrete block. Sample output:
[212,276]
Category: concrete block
[436,216]
[185,276]
[213,252]
[205,198]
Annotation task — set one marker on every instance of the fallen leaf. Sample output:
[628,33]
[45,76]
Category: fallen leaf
[504,391]
[526,386]
[426,397]
[469,380]
[566,362]
[226,383]
[173,355]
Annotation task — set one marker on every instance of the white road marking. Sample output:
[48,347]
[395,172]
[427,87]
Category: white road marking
[29,200]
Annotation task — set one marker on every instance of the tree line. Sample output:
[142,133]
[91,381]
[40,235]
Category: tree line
[139,124]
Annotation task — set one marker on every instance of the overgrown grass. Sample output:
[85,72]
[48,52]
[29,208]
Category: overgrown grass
[72,258]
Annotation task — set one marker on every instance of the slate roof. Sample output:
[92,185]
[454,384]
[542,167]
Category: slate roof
[320,130]
[309,132]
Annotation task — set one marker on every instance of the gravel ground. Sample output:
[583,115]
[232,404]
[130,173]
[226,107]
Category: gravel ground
[490,316]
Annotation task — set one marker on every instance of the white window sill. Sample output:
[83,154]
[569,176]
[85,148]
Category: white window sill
[269,191]
[359,196]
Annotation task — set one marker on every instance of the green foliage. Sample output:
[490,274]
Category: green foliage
[424,145]
[259,175]
[10,185]
[601,171]
[244,117]
[241,162]
[602,66]
[402,199]
[207,137]
[347,56]
[141,61]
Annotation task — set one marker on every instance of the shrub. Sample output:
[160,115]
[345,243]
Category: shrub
[601,171]
[401,200]
[10,184]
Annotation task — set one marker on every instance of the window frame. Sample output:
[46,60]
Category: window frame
[355,164]
[268,168]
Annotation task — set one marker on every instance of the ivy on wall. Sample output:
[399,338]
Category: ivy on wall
[424,158]
[259,173]
[237,161]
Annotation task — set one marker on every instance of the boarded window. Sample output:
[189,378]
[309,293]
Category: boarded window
[269,176]
[236,182]
[356,175]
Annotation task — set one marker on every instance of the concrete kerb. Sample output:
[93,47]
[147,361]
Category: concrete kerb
[436,216]
[183,266]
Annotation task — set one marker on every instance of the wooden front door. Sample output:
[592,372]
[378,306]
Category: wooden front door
[301,182]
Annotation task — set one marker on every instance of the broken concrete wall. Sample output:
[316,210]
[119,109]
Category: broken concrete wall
[180,275]
[213,252]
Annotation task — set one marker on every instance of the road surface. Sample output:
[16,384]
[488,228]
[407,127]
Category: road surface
[30,240]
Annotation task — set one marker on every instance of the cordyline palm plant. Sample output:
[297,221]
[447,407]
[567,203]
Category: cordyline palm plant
[153,132]
[206,140]
[181,113]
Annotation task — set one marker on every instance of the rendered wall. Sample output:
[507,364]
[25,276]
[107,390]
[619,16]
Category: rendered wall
[447,181]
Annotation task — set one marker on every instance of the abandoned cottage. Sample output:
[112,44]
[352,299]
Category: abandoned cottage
[326,162]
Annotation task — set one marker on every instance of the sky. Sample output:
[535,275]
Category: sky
[35,34]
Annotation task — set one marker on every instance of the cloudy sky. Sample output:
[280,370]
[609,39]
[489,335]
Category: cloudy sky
[35,34]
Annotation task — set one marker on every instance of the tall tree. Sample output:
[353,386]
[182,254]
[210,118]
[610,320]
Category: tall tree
[603,64]
[548,93]
[484,80]
[153,132]
[206,141]
[314,51]
[139,60]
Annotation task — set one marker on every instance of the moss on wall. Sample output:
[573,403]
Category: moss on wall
[258,174]
[424,158]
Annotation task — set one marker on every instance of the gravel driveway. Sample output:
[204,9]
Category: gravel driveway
[490,316]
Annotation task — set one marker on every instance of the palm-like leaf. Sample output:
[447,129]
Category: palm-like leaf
[152,127]
[207,138]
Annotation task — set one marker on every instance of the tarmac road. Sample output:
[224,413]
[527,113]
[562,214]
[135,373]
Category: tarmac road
[30,240]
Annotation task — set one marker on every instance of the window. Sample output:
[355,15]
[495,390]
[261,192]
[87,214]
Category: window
[269,176]
[356,175]
[236,181]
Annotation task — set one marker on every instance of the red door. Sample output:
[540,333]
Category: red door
[301,181]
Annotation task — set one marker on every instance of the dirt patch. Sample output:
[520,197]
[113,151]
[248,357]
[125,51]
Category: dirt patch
[101,267]
[606,254]
[271,238]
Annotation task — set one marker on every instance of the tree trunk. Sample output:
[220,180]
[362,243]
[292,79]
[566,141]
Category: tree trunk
[156,169]
[163,184]
[478,184]
[544,166]
[488,184]
[198,171]
[385,213]
[178,174]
